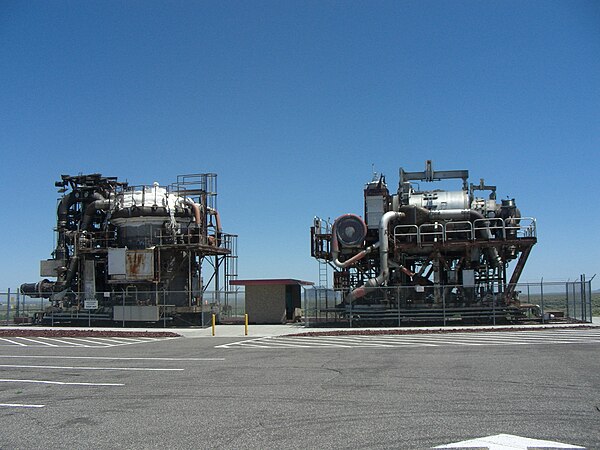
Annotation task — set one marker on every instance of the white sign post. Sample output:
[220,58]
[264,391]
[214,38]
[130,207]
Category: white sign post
[90,304]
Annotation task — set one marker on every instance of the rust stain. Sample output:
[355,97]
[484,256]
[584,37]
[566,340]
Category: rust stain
[137,264]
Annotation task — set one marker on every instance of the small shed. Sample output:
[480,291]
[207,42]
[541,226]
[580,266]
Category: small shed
[271,301]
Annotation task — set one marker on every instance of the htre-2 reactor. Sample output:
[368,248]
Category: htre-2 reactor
[427,253]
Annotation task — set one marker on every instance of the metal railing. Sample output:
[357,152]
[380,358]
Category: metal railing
[523,227]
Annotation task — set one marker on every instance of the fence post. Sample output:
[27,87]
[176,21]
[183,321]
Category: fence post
[8,307]
[494,309]
[165,309]
[567,300]
[444,305]
[398,294]
[589,290]
[350,305]
[542,298]
[17,314]
[583,305]
[305,305]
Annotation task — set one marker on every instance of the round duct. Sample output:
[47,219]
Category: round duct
[350,230]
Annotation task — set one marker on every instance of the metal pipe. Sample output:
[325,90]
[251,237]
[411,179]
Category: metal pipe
[63,218]
[214,212]
[471,215]
[196,209]
[99,204]
[335,251]
[41,289]
[217,237]
[384,270]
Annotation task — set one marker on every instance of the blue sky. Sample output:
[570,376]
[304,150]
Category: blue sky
[292,103]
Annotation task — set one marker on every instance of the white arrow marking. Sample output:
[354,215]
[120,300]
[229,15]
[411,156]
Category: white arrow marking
[507,442]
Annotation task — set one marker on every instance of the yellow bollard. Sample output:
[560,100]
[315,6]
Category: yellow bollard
[214,320]
[245,324]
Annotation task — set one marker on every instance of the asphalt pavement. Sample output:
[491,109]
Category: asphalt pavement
[210,393]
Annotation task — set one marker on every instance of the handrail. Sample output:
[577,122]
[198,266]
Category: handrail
[452,228]
[494,223]
[407,235]
[435,234]
[500,229]
[526,230]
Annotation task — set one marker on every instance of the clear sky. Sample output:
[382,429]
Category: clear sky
[292,103]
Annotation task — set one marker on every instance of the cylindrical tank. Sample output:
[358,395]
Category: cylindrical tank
[440,200]
[144,213]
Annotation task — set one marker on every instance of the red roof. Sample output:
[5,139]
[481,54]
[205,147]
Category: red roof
[272,281]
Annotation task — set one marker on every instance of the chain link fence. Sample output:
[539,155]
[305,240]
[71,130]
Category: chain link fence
[541,302]
[123,307]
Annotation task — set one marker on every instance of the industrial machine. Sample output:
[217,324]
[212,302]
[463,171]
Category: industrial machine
[427,254]
[136,253]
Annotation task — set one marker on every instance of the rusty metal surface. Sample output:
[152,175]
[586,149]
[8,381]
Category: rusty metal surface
[139,264]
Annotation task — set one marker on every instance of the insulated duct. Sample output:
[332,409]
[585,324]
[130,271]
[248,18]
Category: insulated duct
[384,270]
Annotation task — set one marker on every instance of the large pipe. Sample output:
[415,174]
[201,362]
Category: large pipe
[471,215]
[214,212]
[99,204]
[217,238]
[384,270]
[335,251]
[63,218]
[41,289]
[196,209]
[355,258]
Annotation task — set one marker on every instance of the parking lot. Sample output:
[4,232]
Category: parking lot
[276,392]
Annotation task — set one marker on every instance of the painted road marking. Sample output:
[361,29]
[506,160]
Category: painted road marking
[141,369]
[13,342]
[48,344]
[431,340]
[66,342]
[508,442]
[62,341]
[20,405]
[60,383]
[111,358]
[88,341]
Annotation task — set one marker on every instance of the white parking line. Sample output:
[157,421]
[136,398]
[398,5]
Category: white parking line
[130,341]
[38,342]
[67,342]
[113,341]
[13,342]
[83,342]
[89,341]
[61,383]
[19,405]
[111,358]
[578,337]
[141,369]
